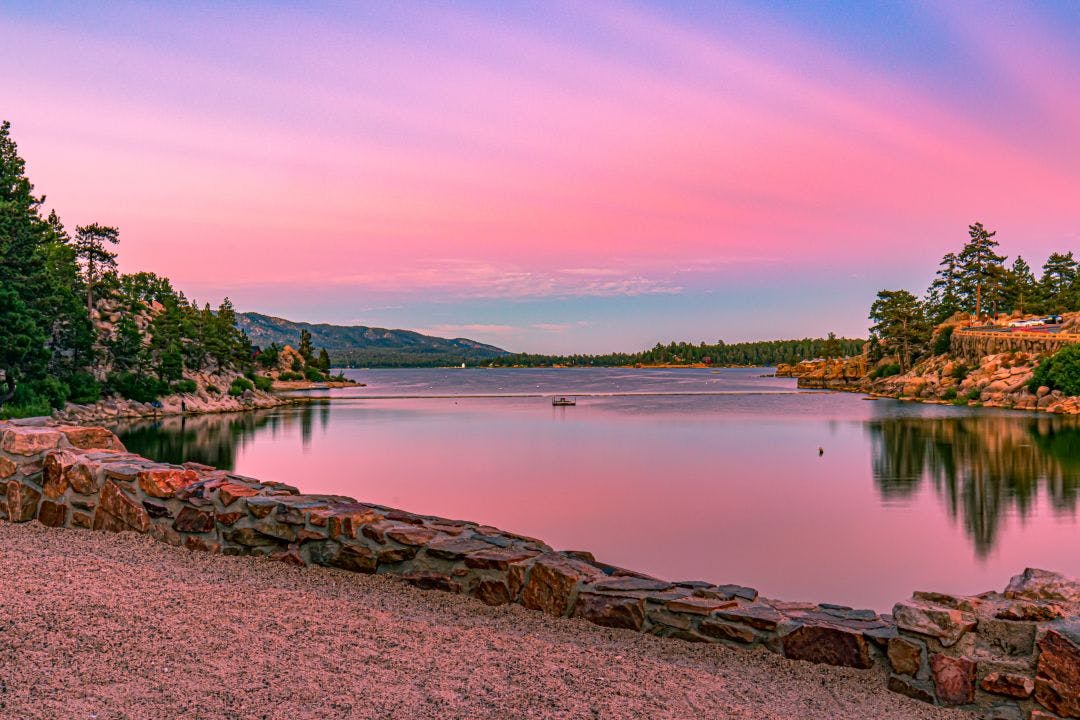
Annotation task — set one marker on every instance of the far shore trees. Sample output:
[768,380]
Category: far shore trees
[900,325]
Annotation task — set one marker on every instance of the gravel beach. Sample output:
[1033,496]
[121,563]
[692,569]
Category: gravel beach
[96,626]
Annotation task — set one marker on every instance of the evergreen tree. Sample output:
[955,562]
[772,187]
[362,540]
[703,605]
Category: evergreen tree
[980,271]
[900,324]
[91,247]
[1059,281]
[323,363]
[1021,291]
[941,298]
[305,348]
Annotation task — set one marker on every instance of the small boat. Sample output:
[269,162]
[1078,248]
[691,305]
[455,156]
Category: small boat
[563,402]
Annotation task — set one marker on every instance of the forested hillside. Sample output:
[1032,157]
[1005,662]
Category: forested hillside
[363,346]
[73,328]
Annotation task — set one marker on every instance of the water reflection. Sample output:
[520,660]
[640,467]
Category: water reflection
[217,439]
[982,467]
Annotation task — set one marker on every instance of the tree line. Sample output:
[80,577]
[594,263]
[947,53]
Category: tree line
[977,282]
[721,354]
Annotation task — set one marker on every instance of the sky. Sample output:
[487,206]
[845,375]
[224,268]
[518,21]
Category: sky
[554,176]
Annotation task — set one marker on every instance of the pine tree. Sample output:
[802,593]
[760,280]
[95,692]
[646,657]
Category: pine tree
[1059,279]
[941,297]
[900,324]
[980,270]
[305,348]
[91,247]
[1021,290]
[323,362]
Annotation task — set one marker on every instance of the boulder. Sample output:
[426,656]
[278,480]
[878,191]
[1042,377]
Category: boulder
[905,655]
[1035,584]
[91,438]
[954,679]
[163,482]
[610,610]
[829,645]
[22,502]
[946,624]
[117,512]
[1057,680]
[29,440]
[1009,684]
[551,582]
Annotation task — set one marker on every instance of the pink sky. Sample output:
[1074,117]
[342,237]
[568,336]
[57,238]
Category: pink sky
[473,168]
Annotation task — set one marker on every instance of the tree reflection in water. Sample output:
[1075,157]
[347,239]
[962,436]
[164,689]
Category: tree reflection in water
[215,439]
[981,466]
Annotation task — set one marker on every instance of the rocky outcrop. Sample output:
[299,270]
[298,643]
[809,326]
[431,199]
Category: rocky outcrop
[1005,653]
[834,374]
[996,381]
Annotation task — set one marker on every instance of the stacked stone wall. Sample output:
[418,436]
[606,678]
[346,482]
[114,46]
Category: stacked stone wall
[1015,653]
[973,345]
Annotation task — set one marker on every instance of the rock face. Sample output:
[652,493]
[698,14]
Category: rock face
[1006,655]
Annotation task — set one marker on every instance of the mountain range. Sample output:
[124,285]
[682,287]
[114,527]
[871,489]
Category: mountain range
[363,346]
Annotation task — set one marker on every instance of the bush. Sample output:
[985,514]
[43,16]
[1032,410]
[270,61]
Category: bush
[943,341]
[973,395]
[25,403]
[184,385]
[289,376]
[141,388]
[83,388]
[297,366]
[884,371]
[313,374]
[960,371]
[950,394]
[213,389]
[1060,371]
[263,383]
[52,390]
[239,386]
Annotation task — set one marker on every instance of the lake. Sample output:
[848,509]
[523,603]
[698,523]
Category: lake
[684,474]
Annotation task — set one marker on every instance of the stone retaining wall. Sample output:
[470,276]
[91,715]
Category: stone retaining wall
[973,345]
[1017,653]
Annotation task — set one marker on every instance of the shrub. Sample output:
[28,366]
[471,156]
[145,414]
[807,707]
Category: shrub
[1060,371]
[960,371]
[141,388]
[184,385]
[884,371]
[239,386]
[289,376]
[213,389]
[943,340]
[950,394]
[297,366]
[83,388]
[262,383]
[973,395]
[25,403]
[52,390]
[313,374]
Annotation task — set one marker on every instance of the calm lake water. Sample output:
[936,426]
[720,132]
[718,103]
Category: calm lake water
[684,474]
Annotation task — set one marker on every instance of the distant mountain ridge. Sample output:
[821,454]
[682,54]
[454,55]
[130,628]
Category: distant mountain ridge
[363,346]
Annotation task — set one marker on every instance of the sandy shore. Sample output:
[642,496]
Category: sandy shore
[103,627]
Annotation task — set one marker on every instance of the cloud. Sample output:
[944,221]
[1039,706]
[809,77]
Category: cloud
[561,327]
